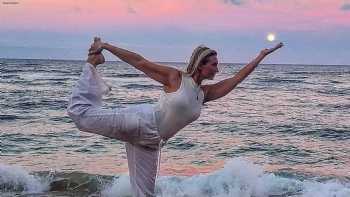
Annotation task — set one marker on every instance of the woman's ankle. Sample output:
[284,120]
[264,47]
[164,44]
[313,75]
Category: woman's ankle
[95,59]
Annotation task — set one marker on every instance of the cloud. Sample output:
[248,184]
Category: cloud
[235,2]
[77,9]
[131,6]
[345,7]
[131,10]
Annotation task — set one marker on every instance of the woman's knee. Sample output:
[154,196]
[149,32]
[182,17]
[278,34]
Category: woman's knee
[77,114]
[109,123]
[77,119]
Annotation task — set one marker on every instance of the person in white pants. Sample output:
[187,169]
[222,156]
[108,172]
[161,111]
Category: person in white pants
[146,127]
[135,125]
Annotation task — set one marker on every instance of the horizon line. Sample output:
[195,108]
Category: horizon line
[241,63]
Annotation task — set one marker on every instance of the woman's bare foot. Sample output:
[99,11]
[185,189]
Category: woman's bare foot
[96,47]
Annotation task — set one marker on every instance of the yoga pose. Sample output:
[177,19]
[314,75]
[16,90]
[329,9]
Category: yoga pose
[146,127]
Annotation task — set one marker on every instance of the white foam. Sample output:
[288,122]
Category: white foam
[238,178]
[120,186]
[15,178]
[331,188]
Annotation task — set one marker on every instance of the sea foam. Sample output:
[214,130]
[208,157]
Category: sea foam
[238,178]
[15,178]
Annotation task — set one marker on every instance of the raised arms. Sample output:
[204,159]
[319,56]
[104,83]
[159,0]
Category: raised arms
[220,89]
[162,74]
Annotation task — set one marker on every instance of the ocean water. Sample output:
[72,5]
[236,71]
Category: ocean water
[284,131]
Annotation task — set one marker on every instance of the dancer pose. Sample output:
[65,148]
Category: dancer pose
[146,127]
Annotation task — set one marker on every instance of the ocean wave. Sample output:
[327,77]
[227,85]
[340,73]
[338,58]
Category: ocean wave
[328,133]
[336,92]
[15,178]
[322,72]
[180,143]
[44,103]
[141,87]
[31,64]
[9,76]
[128,75]
[280,80]
[337,106]
[238,178]
[8,117]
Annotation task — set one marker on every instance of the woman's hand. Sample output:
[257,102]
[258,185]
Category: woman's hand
[265,52]
[96,47]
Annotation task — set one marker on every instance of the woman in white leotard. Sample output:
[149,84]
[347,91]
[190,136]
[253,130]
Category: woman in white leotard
[146,127]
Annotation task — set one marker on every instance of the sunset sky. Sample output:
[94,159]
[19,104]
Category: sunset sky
[314,31]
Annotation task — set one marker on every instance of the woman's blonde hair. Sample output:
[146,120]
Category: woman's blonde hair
[199,57]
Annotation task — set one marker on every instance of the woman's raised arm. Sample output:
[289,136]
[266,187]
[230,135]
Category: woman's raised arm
[220,89]
[161,73]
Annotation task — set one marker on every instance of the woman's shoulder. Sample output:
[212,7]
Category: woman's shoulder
[175,82]
[176,76]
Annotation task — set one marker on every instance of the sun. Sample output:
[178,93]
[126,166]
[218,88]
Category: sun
[271,37]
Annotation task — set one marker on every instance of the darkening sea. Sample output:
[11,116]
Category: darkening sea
[284,131]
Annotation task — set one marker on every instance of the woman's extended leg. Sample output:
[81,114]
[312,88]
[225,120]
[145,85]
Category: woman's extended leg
[135,125]
[85,109]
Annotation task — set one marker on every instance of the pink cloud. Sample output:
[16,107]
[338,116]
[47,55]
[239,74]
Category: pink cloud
[82,15]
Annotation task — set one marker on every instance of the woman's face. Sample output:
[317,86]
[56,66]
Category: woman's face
[209,70]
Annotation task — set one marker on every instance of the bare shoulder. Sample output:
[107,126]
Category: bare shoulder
[174,81]
[175,75]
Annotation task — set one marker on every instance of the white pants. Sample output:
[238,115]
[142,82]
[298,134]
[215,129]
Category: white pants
[134,125]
